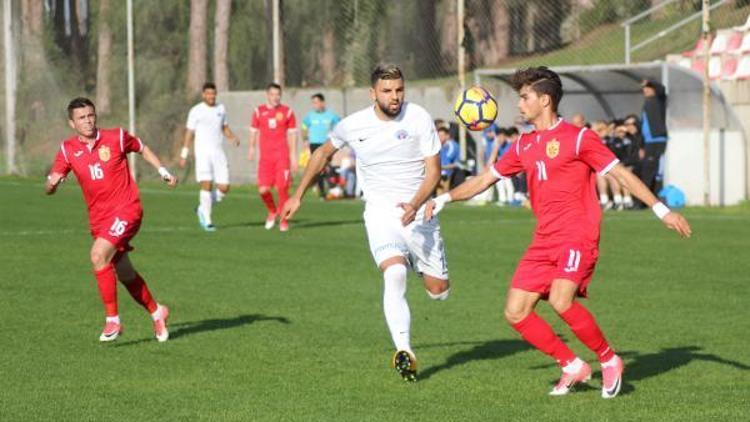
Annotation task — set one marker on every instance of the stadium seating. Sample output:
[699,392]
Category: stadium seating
[729,54]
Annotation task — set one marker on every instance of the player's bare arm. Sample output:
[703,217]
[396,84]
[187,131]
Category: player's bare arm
[430,182]
[251,144]
[53,181]
[671,219]
[317,162]
[462,192]
[231,137]
[152,159]
[185,151]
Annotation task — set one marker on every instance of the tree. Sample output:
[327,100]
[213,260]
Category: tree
[221,43]
[197,50]
[104,60]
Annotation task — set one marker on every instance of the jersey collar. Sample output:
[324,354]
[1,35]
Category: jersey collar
[96,140]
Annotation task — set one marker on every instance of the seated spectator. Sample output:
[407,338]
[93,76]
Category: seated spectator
[449,159]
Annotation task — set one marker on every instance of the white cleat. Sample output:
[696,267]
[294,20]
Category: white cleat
[160,324]
[111,331]
[270,221]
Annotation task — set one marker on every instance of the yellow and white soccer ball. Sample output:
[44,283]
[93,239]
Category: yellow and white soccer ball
[476,108]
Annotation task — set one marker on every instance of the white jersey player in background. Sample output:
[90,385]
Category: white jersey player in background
[207,123]
[398,166]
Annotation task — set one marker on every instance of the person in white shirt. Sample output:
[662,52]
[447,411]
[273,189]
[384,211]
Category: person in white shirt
[398,168]
[207,123]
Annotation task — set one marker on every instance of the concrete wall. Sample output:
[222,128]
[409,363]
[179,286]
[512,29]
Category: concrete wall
[737,93]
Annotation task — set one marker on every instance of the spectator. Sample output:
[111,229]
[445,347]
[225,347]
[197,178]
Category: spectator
[602,129]
[654,131]
[505,186]
[449,156]
[578,120]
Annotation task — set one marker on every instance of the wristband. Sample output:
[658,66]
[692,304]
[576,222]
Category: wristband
[184,152]
[660,210]
[164,173]
[444,198]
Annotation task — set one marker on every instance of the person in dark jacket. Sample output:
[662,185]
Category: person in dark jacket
[654,132]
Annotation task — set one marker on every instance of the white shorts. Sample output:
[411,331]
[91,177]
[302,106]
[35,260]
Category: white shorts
[211,166]
[419,243]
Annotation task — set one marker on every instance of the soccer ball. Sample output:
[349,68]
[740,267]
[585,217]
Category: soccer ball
[476,108]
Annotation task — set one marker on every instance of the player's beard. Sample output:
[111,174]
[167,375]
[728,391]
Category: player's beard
[385,108]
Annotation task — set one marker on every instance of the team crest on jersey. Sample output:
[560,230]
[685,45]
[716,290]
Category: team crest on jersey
[402,135]
[553,148]
[279,116]
[104,153]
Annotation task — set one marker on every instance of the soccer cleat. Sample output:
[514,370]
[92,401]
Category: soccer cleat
[270,221]
[111,331]
[612,377]
[160,324]
[568,380]
[283,226]
[406,365]
[203,221]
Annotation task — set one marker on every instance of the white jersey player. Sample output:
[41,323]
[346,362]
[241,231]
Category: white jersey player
[207,123]
[398,168]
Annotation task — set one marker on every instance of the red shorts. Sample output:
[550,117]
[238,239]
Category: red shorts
[545,261]
[119,228]
[274,172]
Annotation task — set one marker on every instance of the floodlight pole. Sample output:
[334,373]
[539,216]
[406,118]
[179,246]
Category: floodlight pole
[278,77]
[461,61]
[10,88]
[706,107]
[131,84]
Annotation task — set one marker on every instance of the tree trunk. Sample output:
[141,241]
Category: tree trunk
[327,58]
[448,34]
[104,60]
[32,22]
[197,69]
[221,44]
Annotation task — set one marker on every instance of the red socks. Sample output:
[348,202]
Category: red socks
[539,334]
[283,195]
[268,200]
[107,282]
[139,291]
[580,320]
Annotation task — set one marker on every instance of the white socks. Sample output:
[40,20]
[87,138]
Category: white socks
[157,313]
[603,198]
[395,307]
[439,296]
[205,204]
[217,196]
[115,319]
[617,198]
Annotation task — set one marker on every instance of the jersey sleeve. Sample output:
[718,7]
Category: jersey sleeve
[291,121]
[591,150]
[192,120]
[130,143]
[339,136]
[510,163]
[306,122]
[61,164]
[335,120]
[429,143]
[255,120]
[224,121]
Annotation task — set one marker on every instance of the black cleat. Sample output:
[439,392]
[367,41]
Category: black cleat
[406,365]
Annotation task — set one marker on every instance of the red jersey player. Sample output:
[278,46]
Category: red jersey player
[274,125]
[98,158]
[561,162]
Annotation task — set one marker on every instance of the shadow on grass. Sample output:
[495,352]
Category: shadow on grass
[490,350]
[642,366]
[295,224]
[183,329]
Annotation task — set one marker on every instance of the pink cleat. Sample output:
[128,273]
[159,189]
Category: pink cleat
[612,377]
[160,324]
[284,226]
[568,380]
[270,221]
[111,331]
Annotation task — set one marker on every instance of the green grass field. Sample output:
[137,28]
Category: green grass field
[288,326]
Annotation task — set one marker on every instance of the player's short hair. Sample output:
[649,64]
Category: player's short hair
[444,129]
[386,72]
[541,80]
[510,131]
[273,85]
[79,102]
[209,85]
[319,96]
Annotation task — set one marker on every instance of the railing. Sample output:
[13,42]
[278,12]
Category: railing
[628,23]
